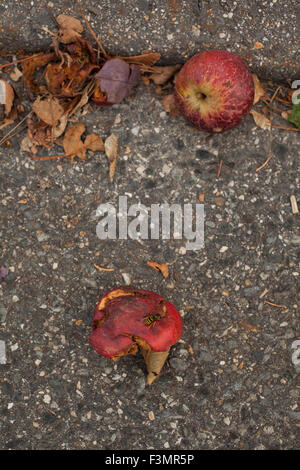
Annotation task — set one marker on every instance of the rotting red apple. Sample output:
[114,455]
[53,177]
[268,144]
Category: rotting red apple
[128,319]
[214,90]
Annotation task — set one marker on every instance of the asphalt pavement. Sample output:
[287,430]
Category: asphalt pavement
[232,382]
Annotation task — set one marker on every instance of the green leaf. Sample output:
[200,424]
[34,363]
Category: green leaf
[294,117]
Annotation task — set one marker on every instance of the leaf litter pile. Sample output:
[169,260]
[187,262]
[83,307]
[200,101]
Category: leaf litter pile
[62,83]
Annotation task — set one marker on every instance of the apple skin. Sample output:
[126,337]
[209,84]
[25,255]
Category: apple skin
[214,90]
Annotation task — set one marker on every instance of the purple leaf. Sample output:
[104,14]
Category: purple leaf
[117,79]
[3,272]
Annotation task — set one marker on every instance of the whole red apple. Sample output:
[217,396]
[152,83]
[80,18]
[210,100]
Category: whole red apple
[214,90]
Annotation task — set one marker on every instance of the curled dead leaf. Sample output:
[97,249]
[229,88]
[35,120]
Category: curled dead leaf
[30,67]
[72,142]
[48,110]
[59,129]
[111,150]
[260,120]
[75,147]
[259,90]
[163,268]
[70,28]
[6,96]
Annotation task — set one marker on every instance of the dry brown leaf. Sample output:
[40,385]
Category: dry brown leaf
[169,105]
[163,74]
[16,74]
[6,96]
[72,142]
[31,66]
[70,28]
[260,120]
[60,127]
[147,59]
[259,90]
[48,110]
[163,268]
[94,143]
[111,150]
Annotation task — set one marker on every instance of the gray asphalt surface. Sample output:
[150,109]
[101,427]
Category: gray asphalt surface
[230,383]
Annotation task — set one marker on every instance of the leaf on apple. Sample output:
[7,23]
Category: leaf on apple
[6,96]
[117,79]
[294,116]
[111,150]
[70,28]
[260,120]
[162,74]
[259,90]
[48,110]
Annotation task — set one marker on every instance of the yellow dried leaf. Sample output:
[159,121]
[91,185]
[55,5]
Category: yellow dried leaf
[260,120]
[259,90]
[111,150]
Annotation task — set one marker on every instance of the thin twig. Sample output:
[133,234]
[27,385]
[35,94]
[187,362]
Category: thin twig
[220,167]
[91,31]
[275,93]
[103,269]
[274,305]
[14,128]
[52,157]
[20,60]
[263,165]
[283,101]
[286,128]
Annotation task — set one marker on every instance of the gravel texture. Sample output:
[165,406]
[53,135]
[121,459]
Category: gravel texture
[230,383]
